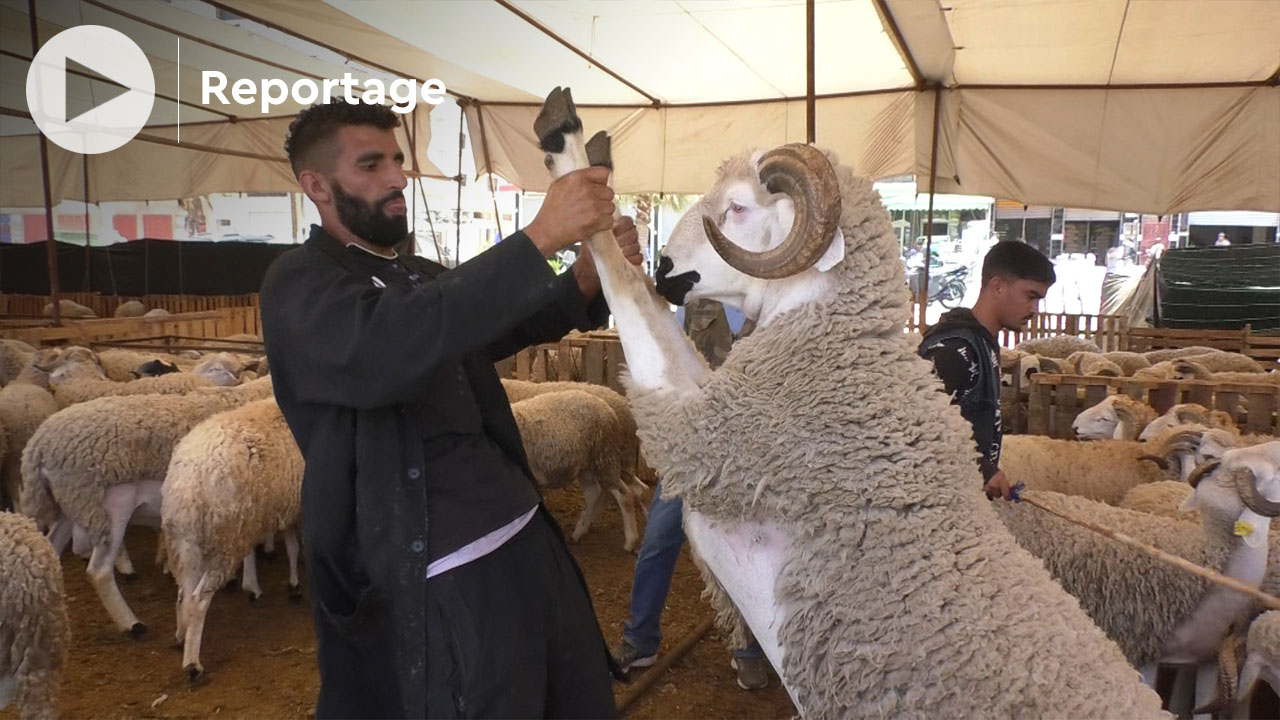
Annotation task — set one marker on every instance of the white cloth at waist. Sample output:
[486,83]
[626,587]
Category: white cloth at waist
[477,549]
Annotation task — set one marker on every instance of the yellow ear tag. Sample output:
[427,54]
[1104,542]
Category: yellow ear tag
[1243,528]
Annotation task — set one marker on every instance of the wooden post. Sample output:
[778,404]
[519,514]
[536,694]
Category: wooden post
[933,177]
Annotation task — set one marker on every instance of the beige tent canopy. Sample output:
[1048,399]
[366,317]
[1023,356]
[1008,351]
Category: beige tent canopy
[185,149]
[1142,105]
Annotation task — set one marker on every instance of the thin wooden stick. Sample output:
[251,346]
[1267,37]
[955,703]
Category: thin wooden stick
[650,678]
[1267,599]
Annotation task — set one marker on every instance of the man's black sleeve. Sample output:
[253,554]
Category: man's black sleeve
[336,339]
[956,363]
[568,311]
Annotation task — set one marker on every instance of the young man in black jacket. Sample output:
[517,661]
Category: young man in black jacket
[440,585]
[965,354]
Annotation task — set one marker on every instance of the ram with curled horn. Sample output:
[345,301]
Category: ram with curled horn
[829,487]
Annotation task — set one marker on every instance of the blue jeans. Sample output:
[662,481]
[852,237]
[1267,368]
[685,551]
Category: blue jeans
[663,537]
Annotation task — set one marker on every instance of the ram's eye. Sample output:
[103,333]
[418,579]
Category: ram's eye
[737,209]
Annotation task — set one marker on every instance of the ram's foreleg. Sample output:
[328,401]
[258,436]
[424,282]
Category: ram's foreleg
[659,355]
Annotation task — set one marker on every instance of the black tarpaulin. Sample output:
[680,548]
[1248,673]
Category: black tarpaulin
[1220,287]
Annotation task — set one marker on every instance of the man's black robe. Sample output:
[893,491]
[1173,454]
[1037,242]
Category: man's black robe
[348,357]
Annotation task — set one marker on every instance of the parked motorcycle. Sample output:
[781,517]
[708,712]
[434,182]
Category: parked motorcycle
[946,280]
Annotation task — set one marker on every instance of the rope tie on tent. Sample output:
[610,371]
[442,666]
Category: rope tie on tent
[1267,599]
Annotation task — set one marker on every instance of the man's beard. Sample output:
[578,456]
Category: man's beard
[368,222]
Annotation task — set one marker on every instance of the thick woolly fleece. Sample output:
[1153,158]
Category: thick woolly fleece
[895,597]
[569,436]
[232,481]
[1102,470]
[79,452]
[1163,498]
[1263,645]
[24,404]
[627,441]
[80,390]
[1058,346]
[1135,598]
[34,632]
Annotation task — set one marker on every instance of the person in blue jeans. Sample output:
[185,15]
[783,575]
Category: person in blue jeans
[713,329]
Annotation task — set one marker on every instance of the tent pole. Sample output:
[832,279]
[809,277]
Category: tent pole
[420,189]
[488,167]
[88,254]
[51,248]
[811,104]
[457,210]
[928,232]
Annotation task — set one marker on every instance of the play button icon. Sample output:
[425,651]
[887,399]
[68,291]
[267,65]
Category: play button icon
[90,89]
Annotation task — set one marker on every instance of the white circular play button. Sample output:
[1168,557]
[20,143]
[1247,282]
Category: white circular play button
[109,99]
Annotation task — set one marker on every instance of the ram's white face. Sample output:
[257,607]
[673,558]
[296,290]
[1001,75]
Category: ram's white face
[1098,422]
[747,214]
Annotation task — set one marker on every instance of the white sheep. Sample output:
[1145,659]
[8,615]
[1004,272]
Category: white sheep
[1164,355]
[1116,417]
[1058,346]
[1185,414]
[1262,658]
[1156,612]
[15,355]
[1164,497]
[79,380]
[829,486]
[99,465]
[69,309]
[122,365]
[233,481]
[34,632]
[1083,362]
[1194,368]
[24,404]
[627,442]
[130,308]
[1102,470]
[1129,362]
[571,437]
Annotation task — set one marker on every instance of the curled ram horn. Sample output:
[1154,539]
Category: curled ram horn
[1206,469]
[803,173]
[1247,485]
[1160,461]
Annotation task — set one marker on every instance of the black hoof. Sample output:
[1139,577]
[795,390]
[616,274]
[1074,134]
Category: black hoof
[599,150]
[254,599]
[557,118]
[295,594]
[138,630]
[194,673]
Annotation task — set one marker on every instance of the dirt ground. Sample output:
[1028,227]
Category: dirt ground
[260,659]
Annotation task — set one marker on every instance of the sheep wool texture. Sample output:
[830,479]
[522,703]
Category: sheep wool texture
[1264,639]
[130,308]
[1220,362]
[81,451]
[121,365]
[1160,356]
[566,435]
[1102,470]
[627,440]
[895,596]
[1092,363]
[235,479]
[1129,362]
[1161,498]
[34,631]
[24,404]
[79,390]
[1058,346]
[15,356]
[1135,598]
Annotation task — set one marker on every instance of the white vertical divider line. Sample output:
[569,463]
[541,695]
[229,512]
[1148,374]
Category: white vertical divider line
[179,90]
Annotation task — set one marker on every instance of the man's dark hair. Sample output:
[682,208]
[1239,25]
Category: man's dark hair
[313,131]
[1017,260]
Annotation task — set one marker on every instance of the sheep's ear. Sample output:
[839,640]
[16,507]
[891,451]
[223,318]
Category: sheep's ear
[1189,504]
[834,253]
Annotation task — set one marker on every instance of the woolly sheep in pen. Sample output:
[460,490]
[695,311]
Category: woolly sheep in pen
[1159,356]
[571,437]
[1262,659]
[69,309]
[1158,613]
[1225,362]
[1058,346]
[99,465]
[1092,363]
[1129,362]
[24,404]
[1102,470]
[1117,417]
[34,631]
[233,481]
[130,308]
[829,486]
[123,365]
[15,355]
[1194,369]
[79,380]
[1163,497]
[1185,414]
[628,442]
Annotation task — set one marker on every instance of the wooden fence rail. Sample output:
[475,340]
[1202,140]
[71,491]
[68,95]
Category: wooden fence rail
[1056,400]
[204,324]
